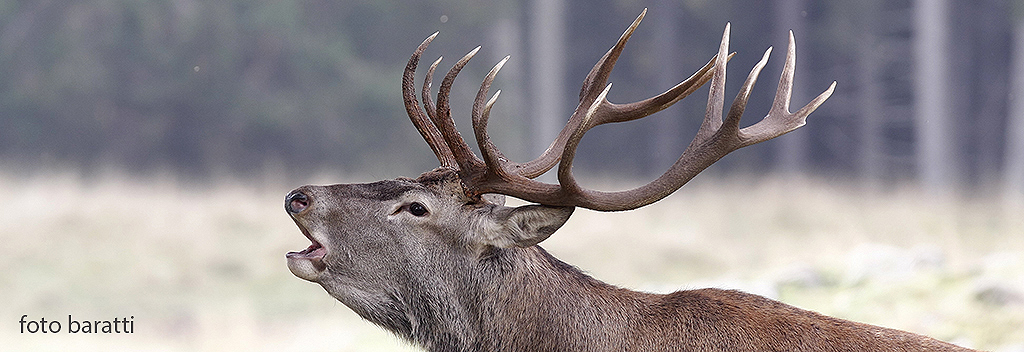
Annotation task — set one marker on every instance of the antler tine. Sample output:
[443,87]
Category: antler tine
[598,77]
[443,119]
[493,158]
[684,168]
[649,106]
[608,112]
[565,179]
[779,120]
[602,111]
[716,96]
[428,103]
[422,122]
[732,120]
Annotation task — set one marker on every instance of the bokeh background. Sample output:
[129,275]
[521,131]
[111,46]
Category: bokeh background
[146,146]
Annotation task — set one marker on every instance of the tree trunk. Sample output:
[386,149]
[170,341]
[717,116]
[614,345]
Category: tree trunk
[507,38]
[936,165]
[547,68]
[869,63]
[667,141]
[1013,170]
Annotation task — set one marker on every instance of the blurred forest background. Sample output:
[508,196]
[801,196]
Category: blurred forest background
[145,147]
[926,88]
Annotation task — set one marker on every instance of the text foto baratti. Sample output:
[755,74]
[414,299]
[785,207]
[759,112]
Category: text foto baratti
[42,325]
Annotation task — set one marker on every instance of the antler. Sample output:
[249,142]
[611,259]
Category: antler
[497,174]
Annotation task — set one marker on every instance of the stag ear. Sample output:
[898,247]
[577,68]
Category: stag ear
[522,226]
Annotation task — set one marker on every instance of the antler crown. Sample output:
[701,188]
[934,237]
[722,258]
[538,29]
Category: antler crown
[495,173]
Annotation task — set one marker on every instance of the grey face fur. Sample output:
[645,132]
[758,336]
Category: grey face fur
[377,247]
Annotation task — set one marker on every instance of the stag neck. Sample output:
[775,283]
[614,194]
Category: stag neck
[521,299]
[540,303]
[553,306]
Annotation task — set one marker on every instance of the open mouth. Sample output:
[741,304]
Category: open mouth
[314,251]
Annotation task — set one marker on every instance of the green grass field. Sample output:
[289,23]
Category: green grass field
[202,268]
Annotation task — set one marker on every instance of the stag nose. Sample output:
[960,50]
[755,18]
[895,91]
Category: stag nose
[296,202]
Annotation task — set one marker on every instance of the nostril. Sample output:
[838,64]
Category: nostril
[296,202]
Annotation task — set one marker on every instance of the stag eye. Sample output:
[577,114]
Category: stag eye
[417,209]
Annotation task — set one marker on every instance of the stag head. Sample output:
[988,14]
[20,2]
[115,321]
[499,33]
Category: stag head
[380,246]
[420,255]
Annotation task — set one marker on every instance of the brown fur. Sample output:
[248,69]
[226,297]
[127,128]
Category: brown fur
[456,280]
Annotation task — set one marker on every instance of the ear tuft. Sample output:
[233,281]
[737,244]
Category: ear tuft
[527,225]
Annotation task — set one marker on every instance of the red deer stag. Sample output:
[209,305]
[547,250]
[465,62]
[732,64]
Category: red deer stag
[440,261]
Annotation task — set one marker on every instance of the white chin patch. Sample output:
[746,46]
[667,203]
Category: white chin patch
[304,268]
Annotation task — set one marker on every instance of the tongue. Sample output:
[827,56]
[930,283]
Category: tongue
[313,251]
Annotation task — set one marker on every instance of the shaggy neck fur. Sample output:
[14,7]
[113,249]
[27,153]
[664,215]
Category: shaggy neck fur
[526,300]
[496,309]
